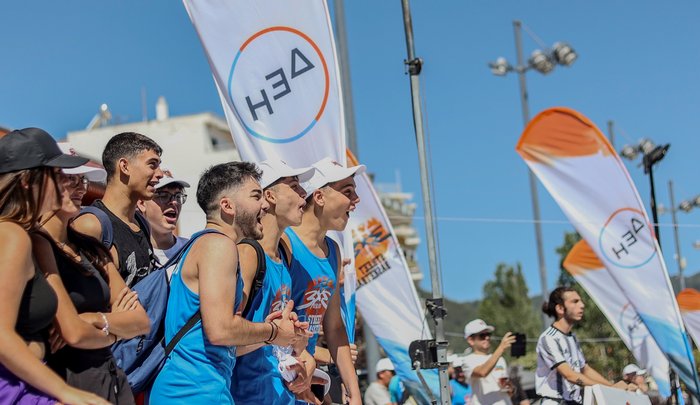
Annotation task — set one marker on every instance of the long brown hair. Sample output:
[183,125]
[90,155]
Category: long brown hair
[18,202]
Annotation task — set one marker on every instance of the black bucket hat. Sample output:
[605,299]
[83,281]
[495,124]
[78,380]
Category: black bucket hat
[33,147]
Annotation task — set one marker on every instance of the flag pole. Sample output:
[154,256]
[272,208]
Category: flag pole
[435,305]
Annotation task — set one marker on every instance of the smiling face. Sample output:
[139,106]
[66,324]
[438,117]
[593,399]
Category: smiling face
[287,198]
[163,211]
[480,342]
[338,199]
[74,188]
[250,208]
[144,173]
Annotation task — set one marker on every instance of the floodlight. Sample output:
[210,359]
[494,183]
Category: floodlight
[541,61]
[564,54]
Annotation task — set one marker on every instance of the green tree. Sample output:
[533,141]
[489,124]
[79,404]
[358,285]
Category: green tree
[507,306]
[607,357]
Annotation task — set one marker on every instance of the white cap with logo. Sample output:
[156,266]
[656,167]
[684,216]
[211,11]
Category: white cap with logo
[633,369]
[169,179]
[327,171]
[275,169]
[476,326]
[92,171]
[384,365]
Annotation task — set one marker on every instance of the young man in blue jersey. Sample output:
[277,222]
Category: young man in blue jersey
[199,369]
[316,262]
[256,377]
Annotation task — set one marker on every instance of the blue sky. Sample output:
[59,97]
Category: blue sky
[638,66]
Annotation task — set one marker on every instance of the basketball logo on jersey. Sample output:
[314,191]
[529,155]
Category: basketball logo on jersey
[284,293]
[315,302]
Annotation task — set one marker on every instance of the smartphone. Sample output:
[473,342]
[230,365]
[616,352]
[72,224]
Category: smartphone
[518,347]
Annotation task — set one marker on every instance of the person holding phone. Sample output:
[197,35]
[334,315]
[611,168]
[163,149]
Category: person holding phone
[487,372]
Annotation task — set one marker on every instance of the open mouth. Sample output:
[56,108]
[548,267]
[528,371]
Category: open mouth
[170,216]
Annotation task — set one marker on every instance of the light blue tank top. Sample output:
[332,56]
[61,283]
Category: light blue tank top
[256,379]
[461,394]
[314,281]
[196,372]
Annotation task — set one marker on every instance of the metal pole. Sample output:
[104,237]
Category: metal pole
[414,68]
[611,134]
[673,377]
[517,25]
[679,258]
[654,209]
[344,59]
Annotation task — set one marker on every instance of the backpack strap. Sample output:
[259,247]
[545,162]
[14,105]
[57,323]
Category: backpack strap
[188,325]
[260,271]
[197,315]
[105,224]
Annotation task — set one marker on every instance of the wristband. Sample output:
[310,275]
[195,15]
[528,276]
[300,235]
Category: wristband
[273,333]
[105,329]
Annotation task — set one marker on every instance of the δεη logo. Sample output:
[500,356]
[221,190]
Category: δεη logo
[627,239]
[278,85]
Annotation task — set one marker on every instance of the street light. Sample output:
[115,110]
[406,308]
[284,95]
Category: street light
[651,154]
[543,61]
[686,206]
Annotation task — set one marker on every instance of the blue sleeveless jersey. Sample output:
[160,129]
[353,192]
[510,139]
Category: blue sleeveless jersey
[196,372]
[461,394]
[314,281]
[256,379]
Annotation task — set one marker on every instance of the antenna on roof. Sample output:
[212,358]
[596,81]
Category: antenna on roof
[100,119]
[144,107]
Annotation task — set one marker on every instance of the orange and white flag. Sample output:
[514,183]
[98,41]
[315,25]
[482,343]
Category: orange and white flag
[586,177]
[585,267]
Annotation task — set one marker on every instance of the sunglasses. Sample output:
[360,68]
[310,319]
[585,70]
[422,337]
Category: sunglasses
[74,180]
[483,335]
[164,197]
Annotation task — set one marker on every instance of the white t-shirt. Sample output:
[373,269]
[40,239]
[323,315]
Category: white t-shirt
[486,391]
[164,255]
[555,347]
[377,394]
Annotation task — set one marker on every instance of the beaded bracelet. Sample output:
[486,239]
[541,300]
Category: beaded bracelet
[105,329]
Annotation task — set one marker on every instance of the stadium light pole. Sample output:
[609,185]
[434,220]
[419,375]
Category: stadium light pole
[544,62]
[652,154]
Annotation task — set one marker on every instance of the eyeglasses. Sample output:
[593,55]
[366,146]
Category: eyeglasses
[164,197]
[483,335]
[74,180]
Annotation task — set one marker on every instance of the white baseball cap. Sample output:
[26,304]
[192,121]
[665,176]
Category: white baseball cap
[318,373]
[91,170]
[275,169]
[633,369]
[384,365]
[165,181]
[327,171]
[476,326]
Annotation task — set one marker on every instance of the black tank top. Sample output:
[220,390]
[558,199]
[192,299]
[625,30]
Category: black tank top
[89,292]
[36,309]
[133,248]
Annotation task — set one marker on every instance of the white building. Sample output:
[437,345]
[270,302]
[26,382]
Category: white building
[191,143]
[400,210]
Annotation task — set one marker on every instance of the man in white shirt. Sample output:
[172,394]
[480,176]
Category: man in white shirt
[487,372]
[378,392]
[562,371]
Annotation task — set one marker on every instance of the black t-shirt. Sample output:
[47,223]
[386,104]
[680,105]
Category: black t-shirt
[133,248]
